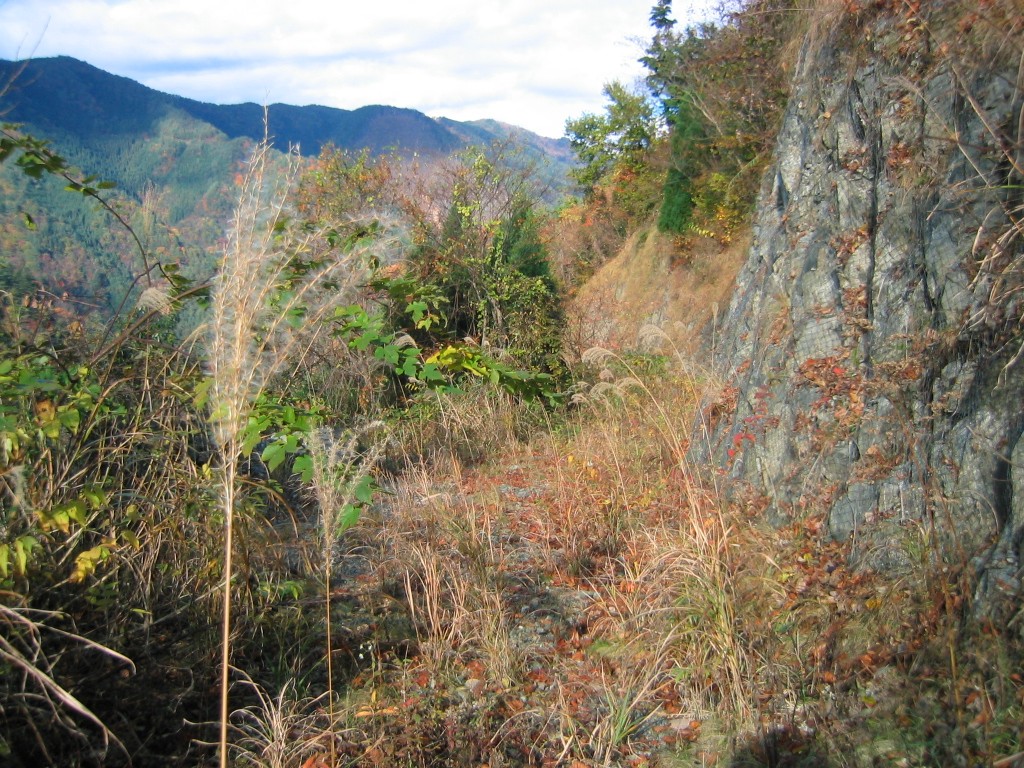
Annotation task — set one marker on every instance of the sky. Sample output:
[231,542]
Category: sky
[532,63]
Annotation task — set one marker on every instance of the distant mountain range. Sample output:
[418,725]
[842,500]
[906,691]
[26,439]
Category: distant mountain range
[177,159]
[64,95]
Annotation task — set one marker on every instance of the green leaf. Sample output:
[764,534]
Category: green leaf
[409,368]
[303,466]
[77,511]
[349,517]
[70,418]
[430,373]
[86,562]
[202,392]
[364,489]
[253,434]
[23,548]
[274,455]
[95,496]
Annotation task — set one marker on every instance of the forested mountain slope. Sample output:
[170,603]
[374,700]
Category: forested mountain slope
[176,163]
[64,95]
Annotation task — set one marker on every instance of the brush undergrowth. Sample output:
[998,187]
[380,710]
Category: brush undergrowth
[583,598]
[503,583]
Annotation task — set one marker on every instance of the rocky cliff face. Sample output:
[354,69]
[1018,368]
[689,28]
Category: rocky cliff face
[873,337]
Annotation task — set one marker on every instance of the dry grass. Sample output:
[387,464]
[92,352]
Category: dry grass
[599,518]
[283,730]
[271,283]
[586,599]
[681,286]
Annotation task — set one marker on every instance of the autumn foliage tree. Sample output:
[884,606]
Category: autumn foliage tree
[721,91]
[473,244]
[691,142]
[614,150]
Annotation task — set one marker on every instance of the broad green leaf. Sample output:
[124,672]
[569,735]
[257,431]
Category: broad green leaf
[86,562]
[78,511]
[202,392]
[273,455]
[95,496]
[303,466]
[364,489]
[23,548]
[363,341]
[430,373]
[349,517]
[252,436]
[70,418]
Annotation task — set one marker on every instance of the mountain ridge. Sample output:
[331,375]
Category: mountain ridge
[49,92]
[181,158]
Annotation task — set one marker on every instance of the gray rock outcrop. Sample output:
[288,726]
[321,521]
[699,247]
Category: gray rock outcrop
[873,337]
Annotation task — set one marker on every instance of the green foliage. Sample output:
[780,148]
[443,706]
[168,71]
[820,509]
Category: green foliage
[489,260]
[362,492]
[440,371]
[677,207]
[479,271]
[589,137]
[50,416]
[163,188]
[109,435]
[341,186]
[281,427]
[721,90]
[620,138]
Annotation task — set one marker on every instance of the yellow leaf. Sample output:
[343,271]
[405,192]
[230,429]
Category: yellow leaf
[86,562]
[45,412]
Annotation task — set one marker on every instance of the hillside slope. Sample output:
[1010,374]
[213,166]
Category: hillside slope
[680,287]
[176,163]
[62,95]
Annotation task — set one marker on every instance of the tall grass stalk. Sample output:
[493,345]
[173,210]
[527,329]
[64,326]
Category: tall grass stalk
[338,467]
[257,302]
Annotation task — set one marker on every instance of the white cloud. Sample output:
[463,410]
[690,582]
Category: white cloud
[533,63]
